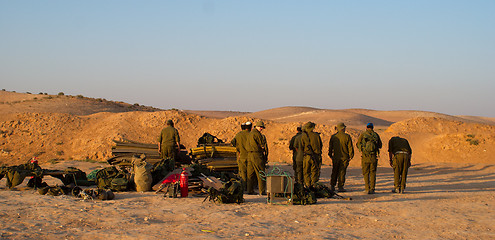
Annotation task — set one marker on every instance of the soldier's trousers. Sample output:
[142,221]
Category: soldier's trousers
[242,164]
[339,169]
[401,163]
[298,171]
[169,151]
[255,165]
[368,166]
[311,169]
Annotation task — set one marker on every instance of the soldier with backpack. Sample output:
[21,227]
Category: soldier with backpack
[369,144]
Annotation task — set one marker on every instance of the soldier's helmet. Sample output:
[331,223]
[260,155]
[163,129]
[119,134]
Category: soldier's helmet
[340,126]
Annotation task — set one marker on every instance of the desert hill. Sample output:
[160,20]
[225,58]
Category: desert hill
[60,131]
[352,117]
[12,103]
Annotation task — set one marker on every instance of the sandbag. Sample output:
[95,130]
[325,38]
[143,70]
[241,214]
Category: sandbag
[142,173]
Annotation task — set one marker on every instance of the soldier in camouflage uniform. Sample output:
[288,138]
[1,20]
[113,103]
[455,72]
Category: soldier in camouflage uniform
[341,151]
[257,158]
[169,141]
[369,144]
[297,156]
[399,152]
[311,145]
[240,142]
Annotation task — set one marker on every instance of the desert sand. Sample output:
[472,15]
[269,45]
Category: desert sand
[450,193]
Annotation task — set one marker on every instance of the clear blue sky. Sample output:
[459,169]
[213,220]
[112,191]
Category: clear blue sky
[255,55]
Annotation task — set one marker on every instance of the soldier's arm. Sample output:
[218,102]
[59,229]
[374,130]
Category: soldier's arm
[390,145]
[379,141]
[331,143]
[358,144]
[177,138]
[350,148]
[234,141]
[291,143]
[409,148]
[265,145]
[160,143]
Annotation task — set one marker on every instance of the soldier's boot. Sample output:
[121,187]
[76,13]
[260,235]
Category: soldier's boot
[342,189]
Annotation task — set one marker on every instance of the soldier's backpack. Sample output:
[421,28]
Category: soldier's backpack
[208,139]
[16,174]
[322,191]
[231,192]
[303,196]
[370,144]
[111,178]
[161,170]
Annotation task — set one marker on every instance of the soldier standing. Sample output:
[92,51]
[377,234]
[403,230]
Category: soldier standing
[257,158]
[311,145]
[169,141]
[240,142]
[341,151]
[297,156]
[369,144]
[399,152]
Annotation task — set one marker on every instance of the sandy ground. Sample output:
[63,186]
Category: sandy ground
[443,201]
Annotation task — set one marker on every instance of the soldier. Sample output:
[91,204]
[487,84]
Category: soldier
[341,151]
[369,144]
[240,142]
[399,152]
[297,156]
[257,158]
[311,145]
[169,141]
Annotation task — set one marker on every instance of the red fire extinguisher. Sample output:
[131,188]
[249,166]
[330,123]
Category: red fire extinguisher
[184,183]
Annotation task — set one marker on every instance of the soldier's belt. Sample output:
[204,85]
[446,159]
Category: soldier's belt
[399,152]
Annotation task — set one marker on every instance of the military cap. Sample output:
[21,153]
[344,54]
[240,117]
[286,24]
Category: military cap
[369,125]
[340,126]
[259,124]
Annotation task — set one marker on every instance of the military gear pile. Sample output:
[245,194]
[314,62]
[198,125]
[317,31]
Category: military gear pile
[55,190]
[16,174]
